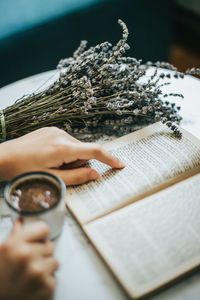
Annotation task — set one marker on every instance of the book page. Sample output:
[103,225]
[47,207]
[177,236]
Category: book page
[153,157]
[151,242]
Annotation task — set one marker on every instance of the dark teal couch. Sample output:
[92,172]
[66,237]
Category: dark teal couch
[35,34]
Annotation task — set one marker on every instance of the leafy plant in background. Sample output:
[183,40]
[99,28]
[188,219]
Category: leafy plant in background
[99,91]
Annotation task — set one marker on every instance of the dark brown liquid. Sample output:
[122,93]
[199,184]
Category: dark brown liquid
[34,195]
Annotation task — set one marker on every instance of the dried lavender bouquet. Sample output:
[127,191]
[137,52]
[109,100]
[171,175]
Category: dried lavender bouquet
[99,91]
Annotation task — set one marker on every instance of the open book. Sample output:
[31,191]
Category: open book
[144,220]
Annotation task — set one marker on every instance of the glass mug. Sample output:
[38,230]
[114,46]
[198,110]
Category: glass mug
[53,215]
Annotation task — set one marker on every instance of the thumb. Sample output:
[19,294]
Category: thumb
[17,226]
[76,176]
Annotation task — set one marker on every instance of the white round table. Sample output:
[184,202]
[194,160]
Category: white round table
[82,274]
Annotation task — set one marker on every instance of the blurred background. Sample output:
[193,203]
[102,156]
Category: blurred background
[36,34]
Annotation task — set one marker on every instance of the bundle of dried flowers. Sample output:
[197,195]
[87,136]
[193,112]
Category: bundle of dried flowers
[99,91]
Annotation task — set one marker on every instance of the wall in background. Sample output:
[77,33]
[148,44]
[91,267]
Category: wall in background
[40,47]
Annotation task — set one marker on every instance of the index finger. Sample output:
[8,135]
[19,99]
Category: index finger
[88,151]
[36,231]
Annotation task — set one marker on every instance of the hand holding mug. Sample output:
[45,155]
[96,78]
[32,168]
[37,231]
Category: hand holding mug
[27,265]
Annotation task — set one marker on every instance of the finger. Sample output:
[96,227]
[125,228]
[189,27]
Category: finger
[90,150]
[42,249]
[36,231]
[17,226]
[48,265]
[51,265]
[76,176]
[75,164]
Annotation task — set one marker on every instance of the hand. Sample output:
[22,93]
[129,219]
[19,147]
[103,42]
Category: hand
[27,265]
[49,149]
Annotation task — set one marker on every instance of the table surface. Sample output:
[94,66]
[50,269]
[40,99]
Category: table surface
[82,274]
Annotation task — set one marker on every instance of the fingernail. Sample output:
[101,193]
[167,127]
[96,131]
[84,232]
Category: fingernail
[93,175]
[119,164]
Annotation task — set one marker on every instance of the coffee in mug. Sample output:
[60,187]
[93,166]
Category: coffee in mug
[37,196]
